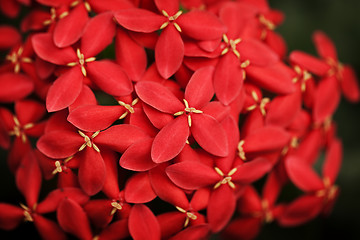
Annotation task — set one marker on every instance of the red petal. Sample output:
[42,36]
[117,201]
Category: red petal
[170,140]
[127,134]
[171,7]
[99,212]
[138,189]
[143,224]
[91,171]
[137,157]
[302,175]
[110,5]
[111,184]
[251,171]
[28,178]
[168,62]
[266,139]
[276,78]
[283,109]
[171,223]
[116,230]
[209,134]
[134,19]
[301,210]
[60,144]
[12,37]
[324,46]
[10,216]
[243,228]
[45,48]
[66,32]
[327,99]
[92,118]
[165,189]
[110,78]
[221,207]
[199,89]
[29,111]
[333,161]
[72,219]
[249,50]
[48,229]
[310,146]
[65,90]
[158,96]
[192,175]
[310,63]
[130,55]
[228,78]
[55,197]
[349,84]
[193,233]
[86,97]
[98,34]
[14,87]
[201,25]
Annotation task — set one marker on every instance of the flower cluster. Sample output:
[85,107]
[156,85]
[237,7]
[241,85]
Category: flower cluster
[153,119]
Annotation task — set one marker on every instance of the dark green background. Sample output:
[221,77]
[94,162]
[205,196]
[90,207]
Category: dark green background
[340,19]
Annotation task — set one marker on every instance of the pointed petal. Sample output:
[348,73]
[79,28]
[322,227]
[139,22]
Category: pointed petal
[209,134]
[134,19]
[221,207]
[45,48]
[64,90]
[324,46]
[138,189]
[252,171]
[201,25]
[120,137]
[199,89]
[302,175]
[99,212]
[12,37]
[266,139]
[350,85]
[165,189]
[327,99]
[116,230]
[193,233]
[86,97]
[276,78]
[72,219]
[130,55]
[29,111]
[283,109]
[14,86]
[243,228]
[309,62]
[111,184]
[249,49]
[60,144]
[28,178]
[48,229]
[168,62]
[10,216]
[98,34]
[171,7]
[228,78]
[143,224]
[192,175]
[170,140]
[138,156]
[301,210]
[92,118]
[333,161]
[110,78]
[158,96]
[91,171]
[66,32]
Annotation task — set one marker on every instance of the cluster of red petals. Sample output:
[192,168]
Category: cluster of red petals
[154,118]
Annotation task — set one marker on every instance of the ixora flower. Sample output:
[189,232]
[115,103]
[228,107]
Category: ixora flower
[165,119]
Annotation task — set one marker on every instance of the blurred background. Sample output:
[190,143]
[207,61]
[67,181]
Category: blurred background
[341,21]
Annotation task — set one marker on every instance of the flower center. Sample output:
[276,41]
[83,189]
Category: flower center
[226,178]
[81,61]
[302,77]
[88,141]
[128,107]
[231,45]
[117,206]
[261,104]
[18,130]
[16,59]
[189,215]
[171,19]
[27,213]
[188,110]
[329,191]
